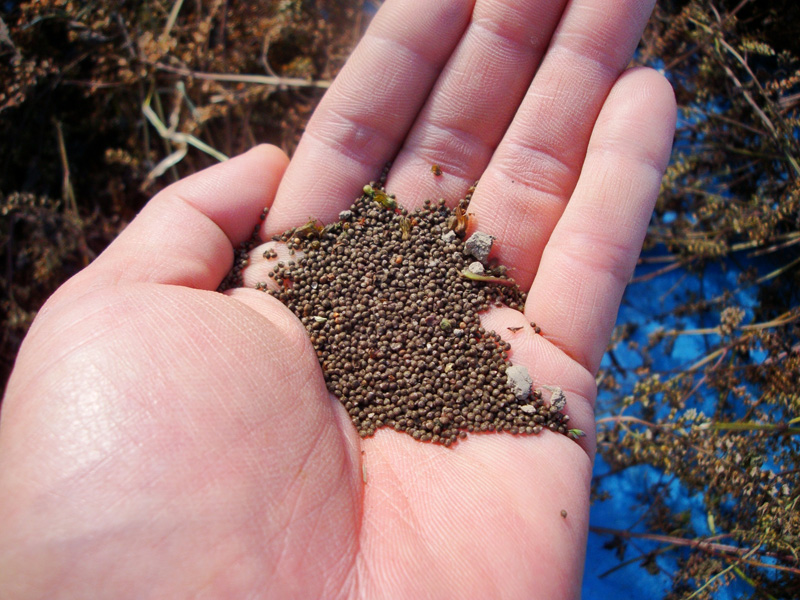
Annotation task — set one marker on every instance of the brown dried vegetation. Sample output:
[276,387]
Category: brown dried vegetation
[102,103]
[726,425]
[84,86]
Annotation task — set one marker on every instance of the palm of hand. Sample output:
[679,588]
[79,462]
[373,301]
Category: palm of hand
[157,435]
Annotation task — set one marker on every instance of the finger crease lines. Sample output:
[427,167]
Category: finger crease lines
[360,132]
[414,56]
[522,45]
[617,151]
[605,67]
[466,139]
[602,246]
[545,178]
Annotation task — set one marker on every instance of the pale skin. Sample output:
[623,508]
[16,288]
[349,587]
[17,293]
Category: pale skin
[159,439]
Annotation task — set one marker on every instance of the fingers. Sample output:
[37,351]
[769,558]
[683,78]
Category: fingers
[365,115]
[474,99]
[186,234]
[534,170]
[593,249]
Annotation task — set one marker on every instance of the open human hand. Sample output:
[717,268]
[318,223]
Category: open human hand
[159,439]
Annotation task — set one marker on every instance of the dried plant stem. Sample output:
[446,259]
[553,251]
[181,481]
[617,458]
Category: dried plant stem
[724,551]
[750,426]
[754,584]
[658,272]
[756,108]
[169,134]
[237,78]
[637,559]
[790,239]
[784,319]
[713,578]
[715,426]
[67,191]
[779,271]
[173,16]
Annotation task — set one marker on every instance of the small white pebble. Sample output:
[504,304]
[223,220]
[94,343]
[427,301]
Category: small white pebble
[479,245]
[520,381]
[557,397]
[476,268]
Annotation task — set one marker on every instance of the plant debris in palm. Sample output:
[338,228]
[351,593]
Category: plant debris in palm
[393,314]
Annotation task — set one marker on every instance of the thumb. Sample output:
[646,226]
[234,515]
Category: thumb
[186,235]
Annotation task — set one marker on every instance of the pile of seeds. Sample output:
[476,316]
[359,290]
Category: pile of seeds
[391,302]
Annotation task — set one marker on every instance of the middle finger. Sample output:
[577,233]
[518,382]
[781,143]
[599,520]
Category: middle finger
[474,99]
[525,188]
